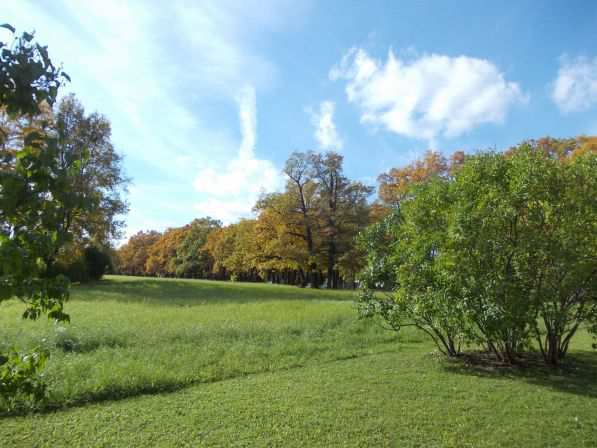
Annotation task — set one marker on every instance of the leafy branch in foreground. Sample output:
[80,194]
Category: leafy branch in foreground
[21,380]
[34,195]
[28,78]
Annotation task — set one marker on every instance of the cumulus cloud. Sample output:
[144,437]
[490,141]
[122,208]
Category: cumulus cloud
[426,97]
[575,88]
[326,133]
[231,191]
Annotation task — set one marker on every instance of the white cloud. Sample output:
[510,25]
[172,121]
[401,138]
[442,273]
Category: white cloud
[325,129]
[166,78]
[226,210]
[427,97]
[575,88]
[156,71]
[230,192]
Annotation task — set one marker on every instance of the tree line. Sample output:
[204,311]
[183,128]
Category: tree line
[304,235]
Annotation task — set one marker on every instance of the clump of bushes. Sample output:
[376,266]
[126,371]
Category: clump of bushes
[501,253]
[89,264]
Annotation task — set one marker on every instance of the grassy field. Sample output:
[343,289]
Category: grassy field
[191,363]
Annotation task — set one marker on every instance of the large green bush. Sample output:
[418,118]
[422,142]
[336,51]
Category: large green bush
[503,253]
[97,262]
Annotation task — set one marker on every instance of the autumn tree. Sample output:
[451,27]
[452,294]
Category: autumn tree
[282,238]
[86,151]
[161,259]
[342,209]
[303,235]
[220,245]
[311,226]
[91,169]
[561,149]
[234,251]
[299,214]
[192,259]
[395,185]
[243,263]
[132,256]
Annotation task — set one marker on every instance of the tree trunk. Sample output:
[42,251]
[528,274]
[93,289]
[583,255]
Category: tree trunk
[331,263]
[554,352]
[302,278]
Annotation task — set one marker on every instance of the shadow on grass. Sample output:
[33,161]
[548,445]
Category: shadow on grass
[194,292]
[118,392]
[577,375]
[114,393]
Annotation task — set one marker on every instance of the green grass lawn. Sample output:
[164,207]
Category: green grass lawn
[189,363]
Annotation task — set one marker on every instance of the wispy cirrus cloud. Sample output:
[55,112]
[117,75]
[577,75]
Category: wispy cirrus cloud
[428,96]
[231,191]
[326,133]
[168,75]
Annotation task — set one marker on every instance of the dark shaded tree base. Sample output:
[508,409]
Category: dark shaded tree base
[487,361]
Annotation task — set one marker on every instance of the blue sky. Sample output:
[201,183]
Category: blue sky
[208,98]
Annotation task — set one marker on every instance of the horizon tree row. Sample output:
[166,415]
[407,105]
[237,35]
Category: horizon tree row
[304,235]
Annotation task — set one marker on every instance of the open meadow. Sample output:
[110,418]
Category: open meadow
[352,224]
[151,362]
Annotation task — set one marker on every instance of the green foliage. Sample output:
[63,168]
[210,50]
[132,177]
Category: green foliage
[526,223]
[501,253]
[34,192]
[27,75]
[488,233]
[21,381]
[593,328]
[34,195]
[97,261]
[192,259]
[429,295]
[84,266]
[86,153]
[377,241]
[406,253]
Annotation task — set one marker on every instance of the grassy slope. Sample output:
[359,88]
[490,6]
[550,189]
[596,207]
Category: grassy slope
[284,366]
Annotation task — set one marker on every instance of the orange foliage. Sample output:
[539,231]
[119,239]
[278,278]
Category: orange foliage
[395,184]
[562,149]
[134,254]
